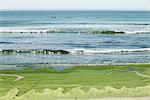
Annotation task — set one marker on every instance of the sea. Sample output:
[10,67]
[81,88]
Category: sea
[73,31]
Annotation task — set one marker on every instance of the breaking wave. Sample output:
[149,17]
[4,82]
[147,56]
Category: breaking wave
[79,51]
[109,51]
[128,28]
[76,31]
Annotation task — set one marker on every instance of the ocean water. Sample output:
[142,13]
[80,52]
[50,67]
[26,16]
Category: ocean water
[71,31]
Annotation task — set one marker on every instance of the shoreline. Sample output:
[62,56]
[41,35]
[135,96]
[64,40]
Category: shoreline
[71,65]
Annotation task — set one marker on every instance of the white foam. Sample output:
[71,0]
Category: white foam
[129,29]
[23,31]
[137,32]
[107,51]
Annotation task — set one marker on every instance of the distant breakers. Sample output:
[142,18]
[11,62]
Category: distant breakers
[63,31]
[89,31]
[77,51]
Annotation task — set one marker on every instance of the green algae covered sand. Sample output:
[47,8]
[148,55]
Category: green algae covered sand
[76,82]
[78,93]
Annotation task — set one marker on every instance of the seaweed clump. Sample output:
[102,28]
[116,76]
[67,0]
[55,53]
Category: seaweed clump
[45,51]
[8,51]
[51,51]
[112,32]
[107,32]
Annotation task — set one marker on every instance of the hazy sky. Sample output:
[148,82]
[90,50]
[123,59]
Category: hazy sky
[75,4]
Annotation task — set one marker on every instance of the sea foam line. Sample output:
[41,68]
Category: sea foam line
[77,51]
[108,51]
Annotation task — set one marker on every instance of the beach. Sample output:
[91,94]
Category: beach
[83,55]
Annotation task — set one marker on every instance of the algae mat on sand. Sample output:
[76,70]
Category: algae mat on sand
[79,81]
[77,93]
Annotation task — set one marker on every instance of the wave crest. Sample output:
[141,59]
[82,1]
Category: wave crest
[109,51]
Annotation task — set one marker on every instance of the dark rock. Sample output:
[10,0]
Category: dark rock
[112,32]
[57,51]
[8,51]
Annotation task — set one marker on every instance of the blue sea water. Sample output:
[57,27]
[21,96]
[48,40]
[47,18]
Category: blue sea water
[16,28]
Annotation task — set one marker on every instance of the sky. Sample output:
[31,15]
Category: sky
[75,5]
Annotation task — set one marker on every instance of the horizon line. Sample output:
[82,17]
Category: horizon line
[71,10]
